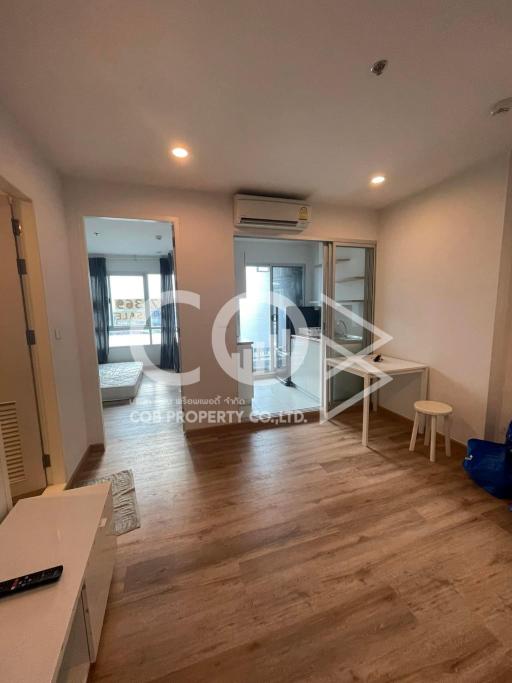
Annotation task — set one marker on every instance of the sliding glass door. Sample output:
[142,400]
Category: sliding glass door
[350,284]
[353,292]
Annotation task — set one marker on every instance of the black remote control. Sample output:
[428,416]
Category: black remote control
[25,583]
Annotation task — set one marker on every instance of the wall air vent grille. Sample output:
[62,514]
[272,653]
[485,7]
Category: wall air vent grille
[10,433]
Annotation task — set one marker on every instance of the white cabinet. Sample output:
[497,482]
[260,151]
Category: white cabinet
[52,633]
[75,661]
[306,369]
[97,577]
[246,381]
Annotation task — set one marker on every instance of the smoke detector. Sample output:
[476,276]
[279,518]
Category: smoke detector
[501,107]
[378,67]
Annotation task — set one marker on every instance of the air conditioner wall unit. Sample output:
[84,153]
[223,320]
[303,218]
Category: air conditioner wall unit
[251,211]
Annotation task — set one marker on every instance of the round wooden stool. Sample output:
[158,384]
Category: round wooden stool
[432,410]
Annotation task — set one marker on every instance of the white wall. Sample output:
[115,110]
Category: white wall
[22,166]
[204,264]
[437,280]
[438,260]
[499,409]
[505,406]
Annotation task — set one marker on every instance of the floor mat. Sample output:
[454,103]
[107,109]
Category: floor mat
[126,509]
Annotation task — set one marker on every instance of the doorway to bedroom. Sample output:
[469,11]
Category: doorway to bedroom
[132,285]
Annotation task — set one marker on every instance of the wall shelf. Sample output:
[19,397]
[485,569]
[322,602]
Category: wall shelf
[356,278]
[338,260]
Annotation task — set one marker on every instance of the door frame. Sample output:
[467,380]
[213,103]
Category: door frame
[243,234]
[327,317]
[90,364]
[329,244]
[44,373]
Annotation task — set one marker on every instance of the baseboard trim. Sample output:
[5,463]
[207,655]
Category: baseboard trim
[91,448]
[54,489]
[29,494]
[248,425]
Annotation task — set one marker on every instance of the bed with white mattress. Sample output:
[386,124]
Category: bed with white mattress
[120,381]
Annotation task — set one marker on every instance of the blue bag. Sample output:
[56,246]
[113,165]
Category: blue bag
[489,464]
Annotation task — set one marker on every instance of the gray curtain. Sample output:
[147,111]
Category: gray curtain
[99,296]
[169,350]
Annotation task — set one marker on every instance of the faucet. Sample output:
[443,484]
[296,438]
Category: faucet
[342,324]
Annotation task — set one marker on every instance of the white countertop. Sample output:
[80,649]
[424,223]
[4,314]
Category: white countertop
[39,533]
[305,336]
[389,365]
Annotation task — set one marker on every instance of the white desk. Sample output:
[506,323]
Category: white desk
[371,371]
[52,633]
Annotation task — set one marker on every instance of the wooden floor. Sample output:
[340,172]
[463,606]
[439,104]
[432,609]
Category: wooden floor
[296,554]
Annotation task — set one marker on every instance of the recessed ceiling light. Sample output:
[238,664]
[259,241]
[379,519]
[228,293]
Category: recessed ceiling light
[180,152]
[378,179]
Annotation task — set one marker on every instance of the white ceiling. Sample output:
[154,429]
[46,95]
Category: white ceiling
[127,237]
[273,96]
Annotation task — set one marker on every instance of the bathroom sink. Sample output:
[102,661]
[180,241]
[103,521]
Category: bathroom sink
[349,338]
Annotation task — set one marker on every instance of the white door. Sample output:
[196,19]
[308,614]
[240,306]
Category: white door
[19,422]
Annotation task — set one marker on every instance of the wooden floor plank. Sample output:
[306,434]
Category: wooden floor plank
[296,554]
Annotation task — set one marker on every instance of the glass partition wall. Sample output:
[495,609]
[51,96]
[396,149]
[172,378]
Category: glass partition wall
[351,284]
